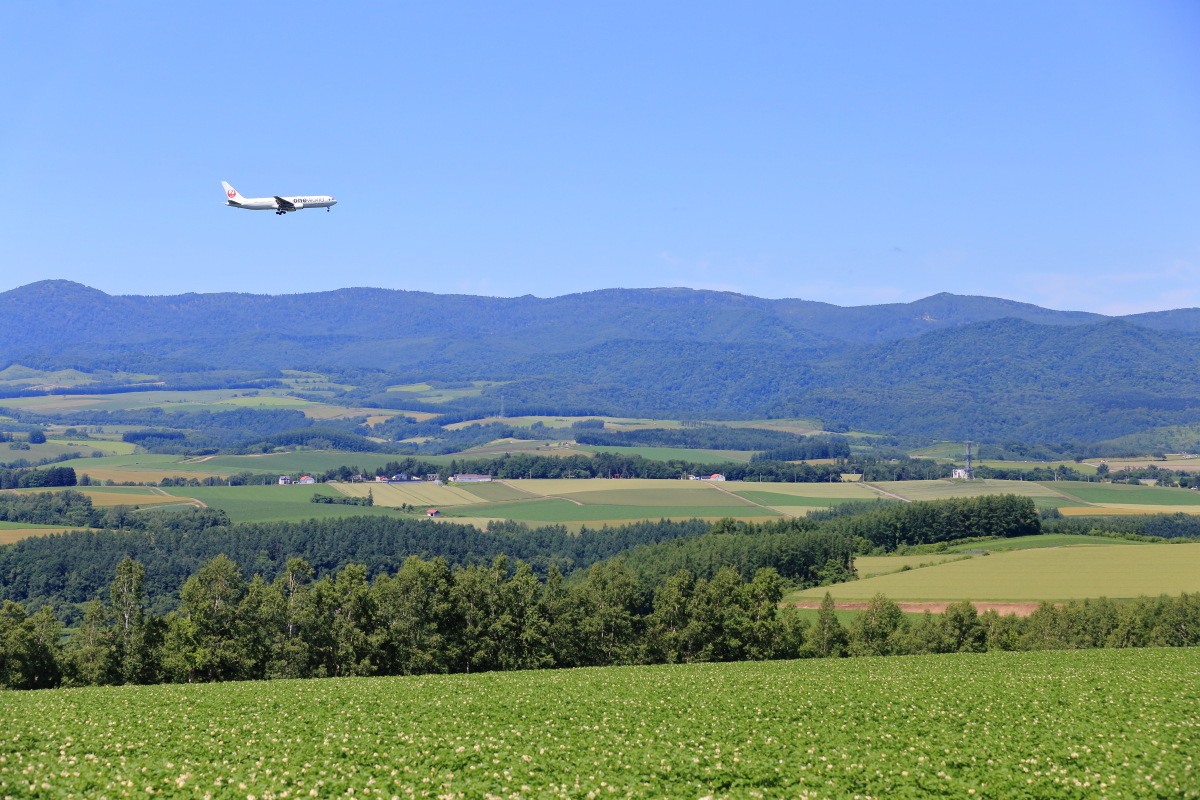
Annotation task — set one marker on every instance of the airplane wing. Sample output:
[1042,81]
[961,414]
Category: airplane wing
[285,205]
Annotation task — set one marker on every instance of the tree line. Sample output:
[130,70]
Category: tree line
[427,617]
[883,629]
[886,528]
[32,478]
[67,569]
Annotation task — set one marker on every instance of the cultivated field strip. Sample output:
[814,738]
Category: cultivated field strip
[1056,573]
[940,489]
[1073,724]
[414,494]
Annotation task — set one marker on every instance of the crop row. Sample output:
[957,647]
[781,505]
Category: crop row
[1045,725]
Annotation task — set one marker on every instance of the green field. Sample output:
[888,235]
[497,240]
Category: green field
[1124,494]
[1118,723]
[866,566]
[1052,573]
[672,453]
[16,526]
[274,503]
[557,510]
[940,489]
[56,447]
[310,461]
[1027,466]
[1042,540]
[167,400]
[777,499]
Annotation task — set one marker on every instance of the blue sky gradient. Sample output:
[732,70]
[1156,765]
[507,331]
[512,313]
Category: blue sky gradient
[854,153]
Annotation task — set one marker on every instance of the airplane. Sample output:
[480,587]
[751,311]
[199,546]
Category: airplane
[280,205]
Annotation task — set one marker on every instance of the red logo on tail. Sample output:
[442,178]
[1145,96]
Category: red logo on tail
[232,194]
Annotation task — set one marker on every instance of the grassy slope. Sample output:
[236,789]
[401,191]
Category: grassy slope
[274,503]
[1058,573]
[828,728]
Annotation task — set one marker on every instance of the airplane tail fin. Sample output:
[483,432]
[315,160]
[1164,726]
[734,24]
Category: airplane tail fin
[232,193]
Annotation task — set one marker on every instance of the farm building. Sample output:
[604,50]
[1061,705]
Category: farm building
[433,512]
[307,479]
[285,480]
[466,478]
[716,476]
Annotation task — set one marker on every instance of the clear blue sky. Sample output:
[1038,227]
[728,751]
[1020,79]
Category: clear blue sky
[855,153]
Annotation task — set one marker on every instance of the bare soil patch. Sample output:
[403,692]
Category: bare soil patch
[1019,609]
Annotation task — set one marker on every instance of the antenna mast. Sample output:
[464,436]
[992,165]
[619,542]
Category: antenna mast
[970,468]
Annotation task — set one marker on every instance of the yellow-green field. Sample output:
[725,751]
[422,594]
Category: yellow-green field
[15,531]
[118,495]
[597,500]
[941,489]
[1057,573]
[211,399]
[413,494]
[883,565]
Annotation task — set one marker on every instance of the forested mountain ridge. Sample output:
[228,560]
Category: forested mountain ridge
[82,314]
[947,365]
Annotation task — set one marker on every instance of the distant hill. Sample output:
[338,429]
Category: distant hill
[946,365]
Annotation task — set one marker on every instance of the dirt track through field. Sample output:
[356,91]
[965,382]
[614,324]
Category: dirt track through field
[1019,609]
[873,487]
[749,500]
[535,494]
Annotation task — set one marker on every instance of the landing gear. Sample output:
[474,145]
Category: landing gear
[280,213]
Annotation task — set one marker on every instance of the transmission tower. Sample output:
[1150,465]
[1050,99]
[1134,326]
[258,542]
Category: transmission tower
[970,469]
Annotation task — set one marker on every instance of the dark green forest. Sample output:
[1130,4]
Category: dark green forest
[67,569]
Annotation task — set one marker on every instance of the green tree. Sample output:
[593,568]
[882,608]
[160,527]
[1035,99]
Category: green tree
[347,609]
[28,648]
[91,656]
[209,603]
[522,602]
[416,622]
[877,631]
[135,647]
[826,638]
[964,632]
[669,620]
[288,609]
[608,601]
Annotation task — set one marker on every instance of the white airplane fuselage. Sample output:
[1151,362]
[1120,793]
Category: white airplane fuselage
[280,205]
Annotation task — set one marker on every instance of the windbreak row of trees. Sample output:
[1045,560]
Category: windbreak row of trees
[21,478]
[883,629]
[424,617]
[1177,526]
[603,465]
[430,618]
[707,437]
[930,522]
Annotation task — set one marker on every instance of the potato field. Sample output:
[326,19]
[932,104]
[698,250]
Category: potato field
[1100,723]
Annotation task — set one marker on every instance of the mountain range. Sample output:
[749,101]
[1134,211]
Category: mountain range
[946,365]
